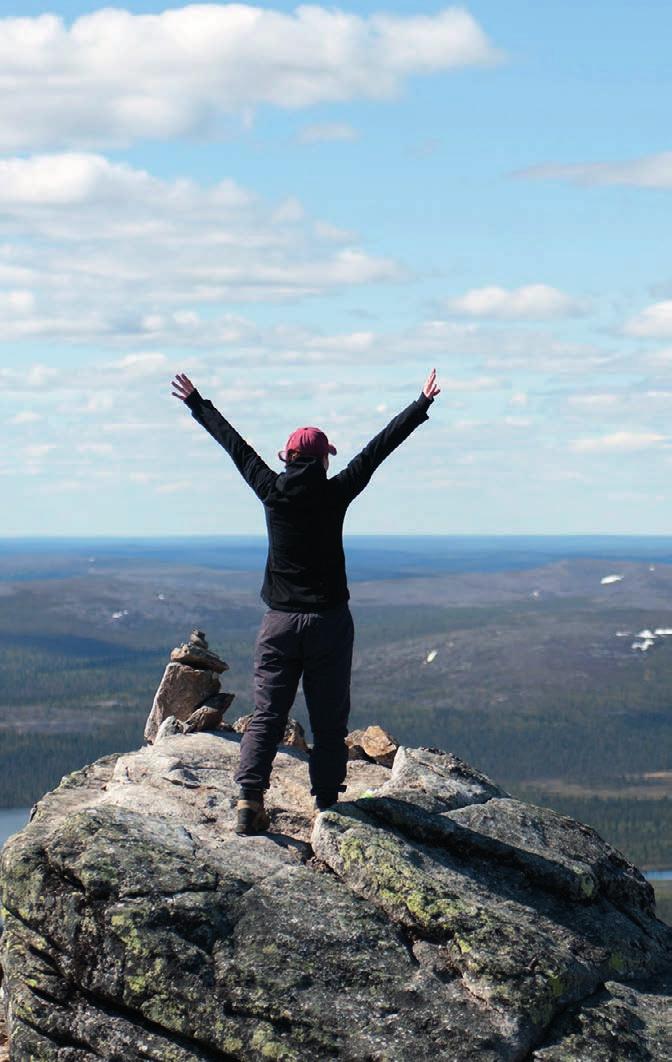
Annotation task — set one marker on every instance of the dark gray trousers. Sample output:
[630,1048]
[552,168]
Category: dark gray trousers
[317,645]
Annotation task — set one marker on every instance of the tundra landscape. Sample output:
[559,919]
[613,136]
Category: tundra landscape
[550,672]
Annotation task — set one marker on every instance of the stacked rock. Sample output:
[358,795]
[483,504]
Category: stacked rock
[190,690]
[373,744]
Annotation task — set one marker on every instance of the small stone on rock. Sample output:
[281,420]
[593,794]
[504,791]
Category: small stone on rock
[197,657]
[294,735]
[204,718]
[375,743]
[169,727]
[220,701]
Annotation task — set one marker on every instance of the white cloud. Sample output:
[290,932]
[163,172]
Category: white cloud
[61,486]
[37,451]
[71,178]
[104,377]
[654,322]
[26,416]
[175,487]
[517,422]
[326,132]
[450,38]
[476,383]
[40,375]
[470,359]
[16,303]
[640,405]
[324,231]
[289,211]
[660,358]
[111,251]
[84,179]
[96,449]
[98,403]
[650,171]
[503,348]
[33,378]
[531,302]
[595,401]
[186,70]
[348,343]
[618,442]
[134,366]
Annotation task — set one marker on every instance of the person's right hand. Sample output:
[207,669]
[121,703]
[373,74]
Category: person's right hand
[430,389]
[182,386]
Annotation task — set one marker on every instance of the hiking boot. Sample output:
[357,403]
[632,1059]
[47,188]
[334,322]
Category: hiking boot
[252,817]
[327,799]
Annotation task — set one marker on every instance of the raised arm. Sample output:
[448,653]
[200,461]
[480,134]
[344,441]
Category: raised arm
[252,468]
[356,475]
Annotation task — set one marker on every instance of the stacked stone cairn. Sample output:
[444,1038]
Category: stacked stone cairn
[189,697]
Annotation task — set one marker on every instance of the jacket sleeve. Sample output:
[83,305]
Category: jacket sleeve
[252,468]
[358,472]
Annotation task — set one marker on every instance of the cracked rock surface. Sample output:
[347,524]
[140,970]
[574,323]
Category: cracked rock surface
[429,915]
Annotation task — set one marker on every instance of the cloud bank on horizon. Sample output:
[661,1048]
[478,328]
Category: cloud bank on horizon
[306,208]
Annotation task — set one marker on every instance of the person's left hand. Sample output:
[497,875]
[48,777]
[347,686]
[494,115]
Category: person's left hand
[182,386]
[430,389]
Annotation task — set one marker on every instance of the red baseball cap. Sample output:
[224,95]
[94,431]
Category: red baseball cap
[309,441]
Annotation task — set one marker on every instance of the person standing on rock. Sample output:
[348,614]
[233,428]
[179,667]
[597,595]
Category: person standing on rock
[307,628]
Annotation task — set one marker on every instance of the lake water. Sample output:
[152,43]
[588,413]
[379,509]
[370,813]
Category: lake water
[11,821]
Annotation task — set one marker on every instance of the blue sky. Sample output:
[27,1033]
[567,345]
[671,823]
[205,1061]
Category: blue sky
[305,209]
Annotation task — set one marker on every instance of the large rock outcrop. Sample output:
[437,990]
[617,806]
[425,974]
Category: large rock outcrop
[428,916]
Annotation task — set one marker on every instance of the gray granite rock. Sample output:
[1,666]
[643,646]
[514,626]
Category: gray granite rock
[437,780]
[427,916]
[632,1021]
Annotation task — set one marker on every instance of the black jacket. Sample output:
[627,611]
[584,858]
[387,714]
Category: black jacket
[305,567]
